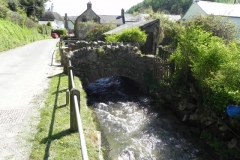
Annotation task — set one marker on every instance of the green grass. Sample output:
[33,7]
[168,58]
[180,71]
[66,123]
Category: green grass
[13,35]
[54,139]
[57,57]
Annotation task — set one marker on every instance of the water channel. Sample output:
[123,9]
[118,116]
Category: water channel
[134,131]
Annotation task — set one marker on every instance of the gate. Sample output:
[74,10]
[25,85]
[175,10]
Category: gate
[163,69]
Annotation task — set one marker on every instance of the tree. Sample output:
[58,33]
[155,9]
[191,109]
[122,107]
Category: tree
[218,26]
[33,8]
[167,6]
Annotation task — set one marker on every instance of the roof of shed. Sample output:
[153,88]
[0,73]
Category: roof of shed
[141,24]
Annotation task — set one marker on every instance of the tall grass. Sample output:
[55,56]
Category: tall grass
[13,35]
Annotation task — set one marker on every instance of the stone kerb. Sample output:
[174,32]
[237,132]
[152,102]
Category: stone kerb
[95,60]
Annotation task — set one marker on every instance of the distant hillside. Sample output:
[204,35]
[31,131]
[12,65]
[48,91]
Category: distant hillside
[169,7]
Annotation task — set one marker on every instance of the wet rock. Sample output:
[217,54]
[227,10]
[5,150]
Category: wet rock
[203,119]
[208,123]
[211,119]
[195,130]
[145,100]
[185,118]
[182,107]
[223,128]
[232,143]
[191,106]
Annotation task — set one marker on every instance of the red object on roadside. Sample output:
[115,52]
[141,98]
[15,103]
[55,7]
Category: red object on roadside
[54,35]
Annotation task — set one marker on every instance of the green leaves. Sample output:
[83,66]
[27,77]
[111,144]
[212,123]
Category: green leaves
[129,35]
[213,63]
[218,26]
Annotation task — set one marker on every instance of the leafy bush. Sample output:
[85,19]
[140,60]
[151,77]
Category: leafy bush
[211,65]
[60,32]
[44,29]
[15,18]
[135,35]
[82,28]
[91,30]
[96,31]
[169,30]
[49,24]
[3,12]
[218,26]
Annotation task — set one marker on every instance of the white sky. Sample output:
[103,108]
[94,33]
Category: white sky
[100,7]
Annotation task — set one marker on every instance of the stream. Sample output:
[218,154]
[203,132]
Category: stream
[134,131]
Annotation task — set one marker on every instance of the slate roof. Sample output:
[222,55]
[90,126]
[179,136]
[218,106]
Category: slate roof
[141,24]
[135,17]
[172,17]
[50,16]
[220,9]
[114,19]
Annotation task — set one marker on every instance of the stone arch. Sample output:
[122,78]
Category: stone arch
[96,60]
[93,75]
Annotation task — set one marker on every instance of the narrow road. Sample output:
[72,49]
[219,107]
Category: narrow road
[24,79]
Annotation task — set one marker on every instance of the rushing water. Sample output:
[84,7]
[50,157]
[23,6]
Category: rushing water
[133,131]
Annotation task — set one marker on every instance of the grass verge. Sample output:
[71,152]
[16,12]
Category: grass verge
[54,139]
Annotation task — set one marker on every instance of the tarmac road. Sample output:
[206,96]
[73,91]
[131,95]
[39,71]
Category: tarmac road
[24,73]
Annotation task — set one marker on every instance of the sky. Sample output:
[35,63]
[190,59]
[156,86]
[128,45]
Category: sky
[100,7]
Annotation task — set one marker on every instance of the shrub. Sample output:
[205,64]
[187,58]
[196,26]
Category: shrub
[211,65]
[81,29]
[218,26]
[60,32]
[135,35]
[89,30]
[96,31]
[44,29]
[49,24]
[169,30]
[3,12]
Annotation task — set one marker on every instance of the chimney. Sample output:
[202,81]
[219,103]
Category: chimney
[89,5]
[51,8]
[122,15]
[66,21]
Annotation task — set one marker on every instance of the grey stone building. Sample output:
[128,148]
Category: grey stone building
[88,15]
[122,21]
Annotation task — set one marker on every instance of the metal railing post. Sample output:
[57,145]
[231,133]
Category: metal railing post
[70,73]
[73,119]
[67,96]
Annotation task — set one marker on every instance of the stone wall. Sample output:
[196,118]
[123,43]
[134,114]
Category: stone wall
[95,60]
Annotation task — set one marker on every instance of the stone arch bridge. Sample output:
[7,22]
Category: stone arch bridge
[96,60]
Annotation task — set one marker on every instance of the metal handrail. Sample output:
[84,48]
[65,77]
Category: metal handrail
[75,122]
[80,131]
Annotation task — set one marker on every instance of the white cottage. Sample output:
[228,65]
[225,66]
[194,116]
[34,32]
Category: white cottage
[231,11]
[55,18]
